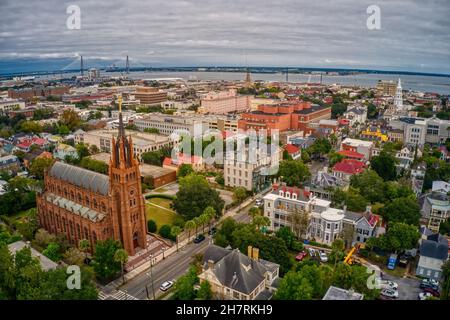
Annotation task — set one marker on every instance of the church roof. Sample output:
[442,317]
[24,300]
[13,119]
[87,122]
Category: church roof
[80,177]
[75,208]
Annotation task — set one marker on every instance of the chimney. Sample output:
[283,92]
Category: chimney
[345,208]
[255,254]
[210,264]
[250,252]
[368,209]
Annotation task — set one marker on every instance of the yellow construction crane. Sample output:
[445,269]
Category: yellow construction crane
[348,259]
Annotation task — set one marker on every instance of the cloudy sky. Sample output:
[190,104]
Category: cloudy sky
[414,34]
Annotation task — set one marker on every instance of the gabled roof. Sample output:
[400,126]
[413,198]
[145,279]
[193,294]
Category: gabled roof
[291,149]
[235,270]
[80,177]
[436,246]
[351,154]
[349,166]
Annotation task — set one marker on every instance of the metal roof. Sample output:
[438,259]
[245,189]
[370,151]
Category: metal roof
[81,177]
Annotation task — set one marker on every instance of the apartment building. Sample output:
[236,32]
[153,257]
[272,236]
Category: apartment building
[360,146]
[435,209]
[167,124]
[252,175]
[142,141]
[7,105]
[284,117]
[222,123]
[386,88]
[150,96]
[223,102]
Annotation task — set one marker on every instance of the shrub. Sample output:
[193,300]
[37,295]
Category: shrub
[151,226]
[179,221]
[159,195]
[165,231]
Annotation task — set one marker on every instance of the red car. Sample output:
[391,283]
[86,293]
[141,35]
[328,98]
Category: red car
[300,256]
[432,291]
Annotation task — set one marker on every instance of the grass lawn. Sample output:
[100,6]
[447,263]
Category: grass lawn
[159,215]
[161,190]
[397,272]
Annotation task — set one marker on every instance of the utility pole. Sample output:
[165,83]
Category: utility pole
[127,66]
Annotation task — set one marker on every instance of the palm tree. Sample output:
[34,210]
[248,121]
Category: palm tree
[121,256]
[211,213]
[197,222]
[189,225]
[204,218]
[84,246]
[175,231]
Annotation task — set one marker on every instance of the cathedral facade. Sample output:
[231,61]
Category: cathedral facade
[82,204]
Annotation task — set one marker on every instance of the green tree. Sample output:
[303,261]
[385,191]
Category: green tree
[294,172]
[164,231]
[70,118]
[105,266]
[84,246]
[121,256]
[204,292]
[82,150]
[286,235]
[184,286]
[294,286]
[239,194]
[384,165]
[195,195]
[174,232]
[184,170]
[370,185]
[189,226]
[30,127]
[404,210]
[52,252]
[39,166]
[399,236]
[151,226]
[445,280]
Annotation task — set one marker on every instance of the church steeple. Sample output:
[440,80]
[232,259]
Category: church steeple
[122,151]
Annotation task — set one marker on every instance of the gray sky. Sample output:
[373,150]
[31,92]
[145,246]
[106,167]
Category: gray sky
[414,35]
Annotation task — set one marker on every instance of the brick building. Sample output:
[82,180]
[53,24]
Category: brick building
[284,116]
[82,204]
[38,91]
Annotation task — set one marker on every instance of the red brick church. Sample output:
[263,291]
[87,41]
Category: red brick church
[82,204]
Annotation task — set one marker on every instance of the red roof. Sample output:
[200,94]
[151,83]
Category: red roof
[349,166]
[291,149]
[38,141]
[344,122]
[351,154]
[181,159]
[299,192]
[24,145]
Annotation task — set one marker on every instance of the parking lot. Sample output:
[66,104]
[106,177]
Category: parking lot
[408,289]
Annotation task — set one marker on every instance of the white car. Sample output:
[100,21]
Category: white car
[323,256]
[389,293]
[312,252]
[430,282]
[424,295]
[387,284]
[166,285]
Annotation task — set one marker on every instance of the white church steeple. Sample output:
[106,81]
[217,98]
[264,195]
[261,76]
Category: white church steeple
[398,99]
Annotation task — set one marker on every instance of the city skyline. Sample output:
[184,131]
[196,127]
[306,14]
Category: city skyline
[413,36]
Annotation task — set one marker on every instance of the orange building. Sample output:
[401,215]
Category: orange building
[82,204]
[284,116]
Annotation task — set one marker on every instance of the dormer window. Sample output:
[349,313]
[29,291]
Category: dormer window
[281,193]
[288,194]
[294,196]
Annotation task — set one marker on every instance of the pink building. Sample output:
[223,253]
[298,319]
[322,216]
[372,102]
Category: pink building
[224,102]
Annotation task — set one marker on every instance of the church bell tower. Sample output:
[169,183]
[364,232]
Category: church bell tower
[128,213]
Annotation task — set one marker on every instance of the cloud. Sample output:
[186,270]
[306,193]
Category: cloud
[414,34]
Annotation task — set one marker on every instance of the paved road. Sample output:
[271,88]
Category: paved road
[170,268]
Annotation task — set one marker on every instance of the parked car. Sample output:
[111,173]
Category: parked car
[259,202]
[428,285]
[312,252]
[424,295]
[212,231]
[387,284]
[389,293]
[166,285]
[199,238]
[403,260]
[301,256]
[323,256]
[392,262]
[432,291]
[430,282]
